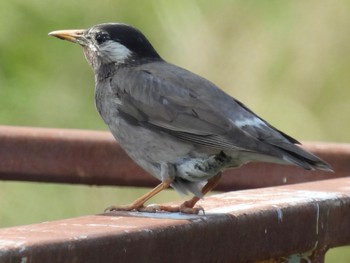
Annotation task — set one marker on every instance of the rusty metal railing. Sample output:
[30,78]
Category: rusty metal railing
[91,157]
[275,224]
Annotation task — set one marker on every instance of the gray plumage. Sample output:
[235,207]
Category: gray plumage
[173,123]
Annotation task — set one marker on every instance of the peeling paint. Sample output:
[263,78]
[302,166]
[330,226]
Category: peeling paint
[80,237]
[279,214]
[12,243]
[317,216]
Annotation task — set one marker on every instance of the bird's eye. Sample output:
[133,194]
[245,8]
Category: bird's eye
[101,37]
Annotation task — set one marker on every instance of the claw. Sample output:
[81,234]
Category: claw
[191,210]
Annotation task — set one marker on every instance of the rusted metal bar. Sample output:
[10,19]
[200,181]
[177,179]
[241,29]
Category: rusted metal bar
[91,157]
[277,223]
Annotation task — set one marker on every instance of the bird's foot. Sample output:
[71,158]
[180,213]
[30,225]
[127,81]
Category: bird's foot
[123,208]
[192,210]
[155,208]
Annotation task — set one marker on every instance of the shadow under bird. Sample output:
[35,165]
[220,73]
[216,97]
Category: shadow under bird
[178,126]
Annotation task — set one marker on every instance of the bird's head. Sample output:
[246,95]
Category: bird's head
[111,43]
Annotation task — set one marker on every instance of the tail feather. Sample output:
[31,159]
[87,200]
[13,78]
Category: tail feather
[300,157]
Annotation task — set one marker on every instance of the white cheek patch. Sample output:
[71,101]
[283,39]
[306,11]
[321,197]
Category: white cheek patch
[92,47]
[114,51]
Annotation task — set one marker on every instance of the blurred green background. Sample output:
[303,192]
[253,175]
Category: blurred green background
[289,61]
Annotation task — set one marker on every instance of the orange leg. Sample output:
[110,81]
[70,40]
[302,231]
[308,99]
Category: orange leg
[211,184]
[138,203]
[188,206]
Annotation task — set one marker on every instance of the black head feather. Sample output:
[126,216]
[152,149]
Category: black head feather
[126,35]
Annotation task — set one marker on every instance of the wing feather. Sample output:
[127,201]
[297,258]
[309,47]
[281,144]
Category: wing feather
[173,108]
[189,107]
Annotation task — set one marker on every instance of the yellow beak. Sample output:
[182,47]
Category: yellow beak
[75,36]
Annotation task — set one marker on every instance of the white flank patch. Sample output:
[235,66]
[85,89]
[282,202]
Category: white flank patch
[114,51]
[249,122]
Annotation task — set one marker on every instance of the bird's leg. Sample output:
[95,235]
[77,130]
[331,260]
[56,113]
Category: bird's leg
[138,203]
[187,207]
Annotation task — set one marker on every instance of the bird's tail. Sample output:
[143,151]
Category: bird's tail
[296,155]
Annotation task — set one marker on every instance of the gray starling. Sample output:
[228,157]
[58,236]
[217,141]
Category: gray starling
[178,126]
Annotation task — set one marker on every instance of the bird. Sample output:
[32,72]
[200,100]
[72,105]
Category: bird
[178,126]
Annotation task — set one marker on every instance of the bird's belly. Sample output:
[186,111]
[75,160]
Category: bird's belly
[149,148]
[164,156]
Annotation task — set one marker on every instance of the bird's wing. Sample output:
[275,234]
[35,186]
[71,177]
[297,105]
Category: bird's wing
[168,103]
[259,128]
[178,102]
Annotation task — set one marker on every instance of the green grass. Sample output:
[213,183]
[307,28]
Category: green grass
[338,255]
[288,61]
[27,203]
